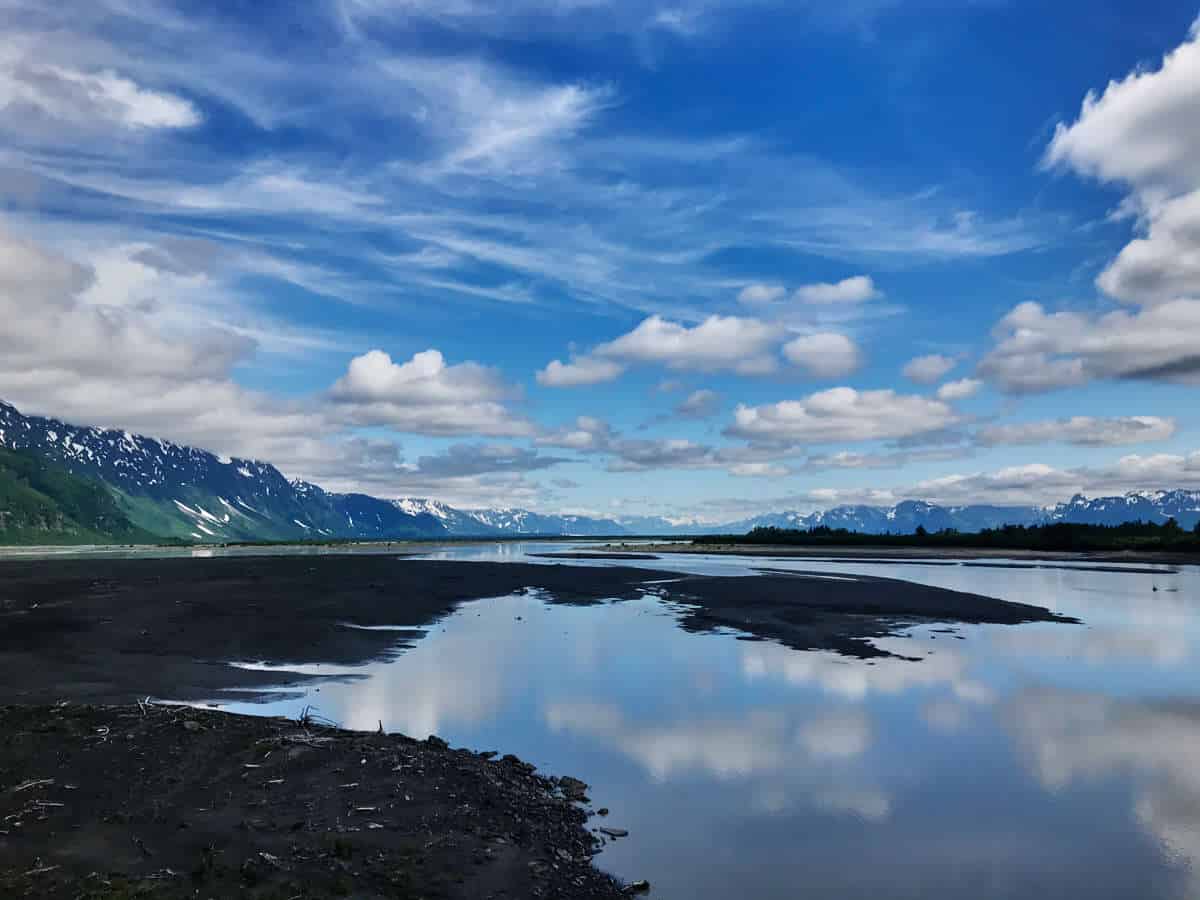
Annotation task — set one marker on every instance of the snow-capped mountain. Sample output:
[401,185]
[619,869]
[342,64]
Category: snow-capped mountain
[906,517]
[522,521]
[182,492]
[1148,506]
[174,491]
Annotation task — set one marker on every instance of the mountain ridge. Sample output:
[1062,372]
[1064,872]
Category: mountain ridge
[185,493]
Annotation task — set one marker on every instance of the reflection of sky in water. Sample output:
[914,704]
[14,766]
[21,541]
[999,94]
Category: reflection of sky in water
[1044,760]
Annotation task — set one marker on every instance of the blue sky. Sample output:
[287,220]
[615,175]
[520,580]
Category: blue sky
[697,258]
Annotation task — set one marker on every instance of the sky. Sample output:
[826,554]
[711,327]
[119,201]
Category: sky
[693,258]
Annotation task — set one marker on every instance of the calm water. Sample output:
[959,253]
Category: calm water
[1031,761]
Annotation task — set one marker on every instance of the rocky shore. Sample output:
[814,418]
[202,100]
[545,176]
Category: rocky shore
[147,800]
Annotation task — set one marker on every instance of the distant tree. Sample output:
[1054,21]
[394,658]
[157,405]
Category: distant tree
[1171,526]
[1196,530]
[921,532]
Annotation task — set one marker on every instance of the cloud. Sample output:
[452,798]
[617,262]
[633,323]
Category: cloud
[719,343]
[962,389]
[699,404]
[424,395]
[1040,351]
[759,470]
[928,369]
[587,433]
[579,372]
[824,355]
[489,119]
[1083,431]
[857,289]
[841,414]
[1141,130]
[760,293]
[37,90]
[480,459]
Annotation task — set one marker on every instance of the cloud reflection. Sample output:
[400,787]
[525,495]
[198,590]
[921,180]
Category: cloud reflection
[1078,737]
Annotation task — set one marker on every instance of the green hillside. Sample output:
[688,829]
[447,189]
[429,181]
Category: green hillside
[42,503]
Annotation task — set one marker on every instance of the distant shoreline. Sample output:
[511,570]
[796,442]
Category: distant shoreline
[868,553]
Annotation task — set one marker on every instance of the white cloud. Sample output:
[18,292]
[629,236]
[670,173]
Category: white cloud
[719,343]
[842,414]
[424,395]
[1142,130]
[759,470]
[928,369]
[962,389]
[87,100]
[488,118]
[857,289]
[760,293]
[1084,431]
[579,372]
[825,355]
[1040,351]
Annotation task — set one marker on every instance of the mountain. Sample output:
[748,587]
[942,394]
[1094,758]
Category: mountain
[906,517]
[1147,506]
[89,484]
[180,492]
[522,521]
[43,503]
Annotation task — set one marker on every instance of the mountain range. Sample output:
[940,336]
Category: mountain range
[69,483]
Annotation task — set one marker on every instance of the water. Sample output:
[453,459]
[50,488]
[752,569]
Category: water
[1039,760]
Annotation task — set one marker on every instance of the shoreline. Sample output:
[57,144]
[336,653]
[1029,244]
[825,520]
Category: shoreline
[902,554]
[109,802]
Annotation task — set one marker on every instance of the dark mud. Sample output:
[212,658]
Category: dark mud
[114,631]
[102,803]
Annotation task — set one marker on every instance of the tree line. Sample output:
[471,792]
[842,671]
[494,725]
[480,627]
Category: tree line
[1168,536]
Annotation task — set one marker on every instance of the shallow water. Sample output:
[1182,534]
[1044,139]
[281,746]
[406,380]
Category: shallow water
[1037,760]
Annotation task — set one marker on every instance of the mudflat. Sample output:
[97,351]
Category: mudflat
[114,631]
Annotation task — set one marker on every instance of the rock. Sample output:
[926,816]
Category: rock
[637,887]
[435,741]
[614,832]
[192,725]
[602,811]
[573,788]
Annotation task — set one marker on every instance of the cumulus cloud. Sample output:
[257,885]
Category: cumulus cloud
[962,389]
[858,289]
[424,395]
[825,355]
[1138,133]
[928,369]
[759,293]
[1083,431]
[719,343]
[841,414]
[580,372]
[1039,351]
